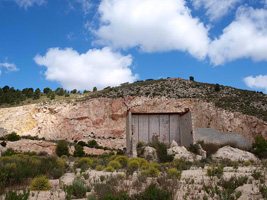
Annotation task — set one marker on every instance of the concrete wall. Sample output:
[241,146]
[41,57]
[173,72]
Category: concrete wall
[166,127]
[186,130]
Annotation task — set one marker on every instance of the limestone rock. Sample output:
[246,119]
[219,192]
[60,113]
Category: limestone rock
[233,154]
[180,152]
[174,144]
[201,151]
[150,154]
[25,145]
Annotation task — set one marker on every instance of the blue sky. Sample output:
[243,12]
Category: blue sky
[84,43]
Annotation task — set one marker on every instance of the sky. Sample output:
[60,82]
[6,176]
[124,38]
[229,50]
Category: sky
[79,44]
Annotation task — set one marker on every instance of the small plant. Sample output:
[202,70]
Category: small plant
[174,173]
[257,175]
[259,147]
[79,152]
[152,192]
[115,164]
[151,171]
[133,165]
[91,197]
[92,144]
[162,152]
[102,178]
[40,184]
[62,148]
[85,176]
[84,162]
[79,188]
[12,195]
[13,137]
[109,169]
[215,171]
[123,160]
[99,168]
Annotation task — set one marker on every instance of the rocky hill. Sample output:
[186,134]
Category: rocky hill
[229,98]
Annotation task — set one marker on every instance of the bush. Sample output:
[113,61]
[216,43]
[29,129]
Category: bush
[120,196]
[9,152]
[133,165]
[174,173]
[153,193]
[92,144]
[109,169]
[85,163]
[162,152]
[91,197]
[40,184]
[102,189]
[151,171]
[15,196]
[78,151]
[79,188]
[215,171]
[13,137]
[62,148]
[181,164]
[259,147]
[3,144]
[99,168]
[210,148]
[123,160]
[115,164]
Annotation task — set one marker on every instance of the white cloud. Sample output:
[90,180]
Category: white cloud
[259,82]
[96,67]
[10,67]
[245,37]
[152,25]
[215,9]
[86,5]
[28,3]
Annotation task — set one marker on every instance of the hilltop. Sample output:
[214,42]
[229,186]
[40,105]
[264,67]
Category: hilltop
[229,98]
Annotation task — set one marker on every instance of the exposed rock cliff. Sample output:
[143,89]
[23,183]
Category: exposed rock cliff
[105,119]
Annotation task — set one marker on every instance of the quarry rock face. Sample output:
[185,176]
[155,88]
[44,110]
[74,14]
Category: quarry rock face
[233,154]
[104,119]
[25,145]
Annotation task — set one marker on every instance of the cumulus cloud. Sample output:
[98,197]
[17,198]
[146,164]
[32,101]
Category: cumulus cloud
[96,67]
[245,37]
[152,25]
[10,67]
[215,9]
[28,3]
[258,82]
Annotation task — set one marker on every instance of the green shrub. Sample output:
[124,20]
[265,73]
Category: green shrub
[99,168]
[102,189]
[210,148]
[40,184]
[62,148]
[133,165]
[181,164]
[151,171]
[120,196]
[85,163]
[92,144]
[91,197]
[115,164]
[174,173]
[79,152]
[153,193]
[3,144]
[123,160]
[259,147]
[79,188]
[85,176]
[12,195]
[162,152]
[215,171]
[12,137]
[109,169]
[9,152]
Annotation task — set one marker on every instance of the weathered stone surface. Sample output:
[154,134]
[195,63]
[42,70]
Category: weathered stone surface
[233,154]
[104,119]
[150,154]
[181,152]
[174,144]
[32,145]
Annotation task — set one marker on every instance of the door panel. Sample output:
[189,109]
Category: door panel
[164,128]
[153,126]
[143,128]
[175,129]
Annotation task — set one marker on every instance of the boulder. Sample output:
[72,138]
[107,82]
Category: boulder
[181,152]
[233,154]
[201,151]
[174,144]
[150,154]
